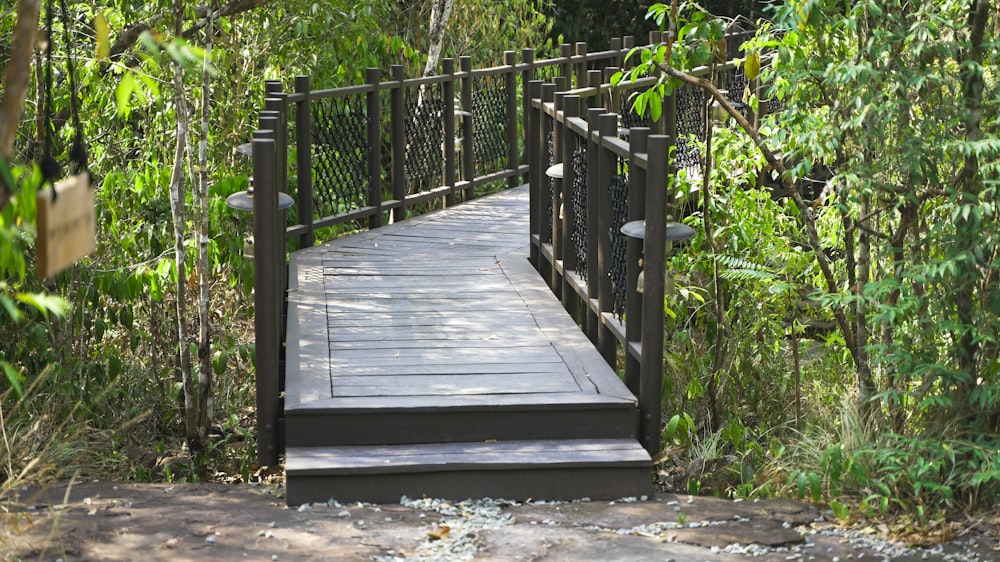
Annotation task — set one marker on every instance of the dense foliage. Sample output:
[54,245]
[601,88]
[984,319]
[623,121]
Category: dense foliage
[862,213]
[101,380]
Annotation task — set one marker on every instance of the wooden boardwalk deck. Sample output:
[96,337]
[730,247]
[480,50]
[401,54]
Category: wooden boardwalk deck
[431,352]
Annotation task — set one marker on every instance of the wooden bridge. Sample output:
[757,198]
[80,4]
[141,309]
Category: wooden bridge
[474,350]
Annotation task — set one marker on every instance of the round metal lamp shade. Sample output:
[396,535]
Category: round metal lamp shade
[243,201]
[555,171]
[245,149]
[675,230]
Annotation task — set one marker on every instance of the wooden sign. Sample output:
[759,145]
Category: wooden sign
[66,224]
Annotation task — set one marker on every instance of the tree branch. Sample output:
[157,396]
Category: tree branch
[128,37]
[777,163]
[15,81]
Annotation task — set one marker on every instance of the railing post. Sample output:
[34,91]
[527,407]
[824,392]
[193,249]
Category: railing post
[373,76]
[614,103]
[580,70]
[534,148]
[628,43]
[594,200]
[594,81]
[267,315]
[608,168]
[566,66]
[448,69]
[558,186]
[303,160]
[633,299]
[468,138]
[277,104]
[398,143]
[545,136]
[570,300]
[527,75]
[651,379]
[510,88]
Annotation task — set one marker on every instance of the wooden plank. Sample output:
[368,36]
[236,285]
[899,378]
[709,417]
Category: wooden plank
[421,305]
[451,385]
[430,334]
[555,482]
[304,402]
[444,342]
[457,456]
[542,367]
[405,357]
[399,318]
[436,318]
[580,356]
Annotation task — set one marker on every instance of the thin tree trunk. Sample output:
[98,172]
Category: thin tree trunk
[969,183]
[177,213]
[15,80]
[866,385]
[205,374]
[440,14]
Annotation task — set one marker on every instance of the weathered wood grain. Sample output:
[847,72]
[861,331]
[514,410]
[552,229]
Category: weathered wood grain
[411,346]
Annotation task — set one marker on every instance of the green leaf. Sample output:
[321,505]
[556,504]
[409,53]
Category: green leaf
[103,33]
[801,484]
[123,94]
[11,307]
[752,66]
[5,173]
[13,378]
[655,107]
[45,303]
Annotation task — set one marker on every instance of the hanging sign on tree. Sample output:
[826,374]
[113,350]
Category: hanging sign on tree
[66,224]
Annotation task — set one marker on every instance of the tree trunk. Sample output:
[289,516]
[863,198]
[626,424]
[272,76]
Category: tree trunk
[866,385]
[177,213]
[15,81]
[205,373]
[440,13]
[969,184]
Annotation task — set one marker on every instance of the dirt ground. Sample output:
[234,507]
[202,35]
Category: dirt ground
[160,522]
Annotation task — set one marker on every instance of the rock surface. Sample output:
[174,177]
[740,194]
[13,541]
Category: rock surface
[153,522]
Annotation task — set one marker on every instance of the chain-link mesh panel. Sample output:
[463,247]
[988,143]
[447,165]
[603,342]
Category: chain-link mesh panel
[735,81]
[489,124]
[546,234]
[340,155]
[619,209]
[578,232]
[690,121]
[424,137]
[629,116]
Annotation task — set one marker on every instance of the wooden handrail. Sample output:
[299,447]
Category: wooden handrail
[580,119]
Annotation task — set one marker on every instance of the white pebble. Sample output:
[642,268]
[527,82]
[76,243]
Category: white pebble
[210,540]
[304,507]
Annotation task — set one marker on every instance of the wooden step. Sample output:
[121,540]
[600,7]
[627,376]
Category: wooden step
[515,470]
[415,419]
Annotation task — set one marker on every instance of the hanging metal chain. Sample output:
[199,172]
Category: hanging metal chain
[78,152]
[49,166]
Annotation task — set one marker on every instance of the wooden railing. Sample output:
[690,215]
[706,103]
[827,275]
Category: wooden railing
[367,154]
[590,173]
